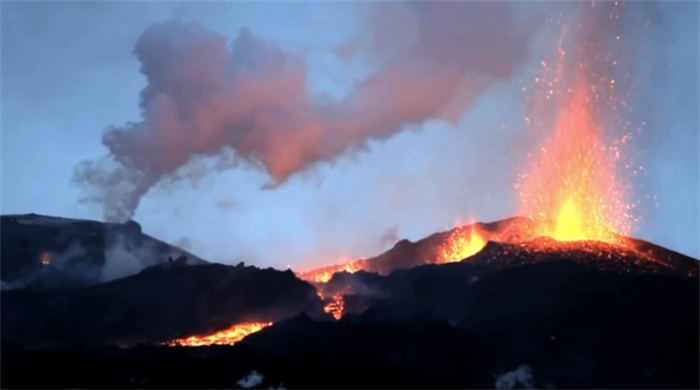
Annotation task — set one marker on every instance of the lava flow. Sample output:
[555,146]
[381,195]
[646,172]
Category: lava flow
[462,243]
[573,190]
[323,275]
[229,336]
[336,307]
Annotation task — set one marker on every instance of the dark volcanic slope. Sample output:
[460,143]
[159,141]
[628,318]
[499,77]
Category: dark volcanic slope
[592,254]
[436,326]
[406,254]
[74,249]
[576,326]
[497,256]
[159,304]
[513,234]
[580,314]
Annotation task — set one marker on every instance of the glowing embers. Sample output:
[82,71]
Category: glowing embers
[336,307]
[575,189]
[462,243]
[46,258]
[572,191]
[229,336]
[323,275]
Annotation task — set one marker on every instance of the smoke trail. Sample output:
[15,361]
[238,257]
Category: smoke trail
[250,102]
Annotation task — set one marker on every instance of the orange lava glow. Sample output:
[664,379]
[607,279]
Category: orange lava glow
[573,190]
[46,258]
[462,243]
[575,187]
[229,336]
[336,307]
[323,275]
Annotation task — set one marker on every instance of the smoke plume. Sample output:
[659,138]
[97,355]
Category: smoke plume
[123,259]
[389,237]
[249,101]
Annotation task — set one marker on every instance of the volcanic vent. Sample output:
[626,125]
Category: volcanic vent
[574,197]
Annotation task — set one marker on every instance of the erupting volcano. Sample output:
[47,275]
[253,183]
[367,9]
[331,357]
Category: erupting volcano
[462,243]
[562,289]
[575,189]
[572,191]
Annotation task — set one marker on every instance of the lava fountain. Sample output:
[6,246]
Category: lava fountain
[573,189]
[462,243]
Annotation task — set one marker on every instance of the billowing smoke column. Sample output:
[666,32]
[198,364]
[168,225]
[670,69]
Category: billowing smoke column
[249,102]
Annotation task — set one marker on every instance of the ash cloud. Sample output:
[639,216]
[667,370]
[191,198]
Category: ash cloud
[389,237]
[124,258]
[127,254]
[248,101]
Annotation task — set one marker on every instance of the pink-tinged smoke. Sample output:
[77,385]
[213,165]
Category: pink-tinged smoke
[249,102]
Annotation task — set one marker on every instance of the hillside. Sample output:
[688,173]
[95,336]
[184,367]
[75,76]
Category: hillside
[580,314]
[51,252]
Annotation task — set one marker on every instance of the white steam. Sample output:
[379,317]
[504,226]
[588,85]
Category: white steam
[247,99]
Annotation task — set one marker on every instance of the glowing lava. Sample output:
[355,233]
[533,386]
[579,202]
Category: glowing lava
[569,223]
[578,195]
[572,191]
[229,336]
[336,307]
[462,243]
[323,275]
[46,258]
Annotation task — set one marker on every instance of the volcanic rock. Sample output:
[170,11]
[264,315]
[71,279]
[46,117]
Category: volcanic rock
[44,252]
[515,235]
[576,314]
[581,314]
[298,353]
[161,303]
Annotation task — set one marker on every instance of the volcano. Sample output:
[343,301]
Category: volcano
[45,252]
[521,311]
[519,232]
[560,296]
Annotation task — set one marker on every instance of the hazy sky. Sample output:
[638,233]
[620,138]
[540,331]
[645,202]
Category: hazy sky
[421,145]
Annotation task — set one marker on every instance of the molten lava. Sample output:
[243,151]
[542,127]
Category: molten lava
[323,275]
[462,243]
[336,307]
[229,336]
[46,258]
[572,190]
